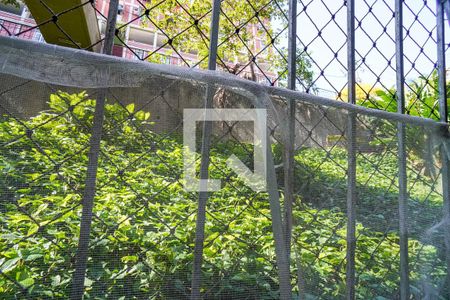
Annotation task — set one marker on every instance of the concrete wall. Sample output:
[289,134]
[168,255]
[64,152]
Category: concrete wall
[166,99]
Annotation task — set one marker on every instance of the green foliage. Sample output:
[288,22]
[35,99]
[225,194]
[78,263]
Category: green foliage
[16,3]
[322,186]
[304,73]
[186,25]
[421,99]
[144,222]
[177,17]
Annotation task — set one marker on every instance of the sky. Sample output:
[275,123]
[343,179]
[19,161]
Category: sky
[377,26]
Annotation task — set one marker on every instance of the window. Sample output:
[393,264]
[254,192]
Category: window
[9,28]
[25,12]
[2,31]
[139,54]
[137,10]
[102,25]
[38,36]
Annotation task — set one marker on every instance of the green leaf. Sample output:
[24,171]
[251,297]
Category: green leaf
[26,283]
[56,280]
[33,257]
[130,108]
[9,264]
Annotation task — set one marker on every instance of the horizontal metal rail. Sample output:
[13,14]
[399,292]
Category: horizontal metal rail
[113,69]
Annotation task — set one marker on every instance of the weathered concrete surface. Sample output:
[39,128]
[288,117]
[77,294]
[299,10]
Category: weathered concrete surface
[166,98]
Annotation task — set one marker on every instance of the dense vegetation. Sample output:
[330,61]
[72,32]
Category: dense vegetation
[143,230]
[421,98]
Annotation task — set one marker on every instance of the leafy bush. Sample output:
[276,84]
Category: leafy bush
[321,223]
[421,100]
[143,229]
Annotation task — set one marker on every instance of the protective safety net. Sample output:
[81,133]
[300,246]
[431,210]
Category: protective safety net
[94,200]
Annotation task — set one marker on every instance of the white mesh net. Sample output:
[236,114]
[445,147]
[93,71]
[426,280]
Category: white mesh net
[142,225]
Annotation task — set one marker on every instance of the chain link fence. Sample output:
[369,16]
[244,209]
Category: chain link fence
[94,201]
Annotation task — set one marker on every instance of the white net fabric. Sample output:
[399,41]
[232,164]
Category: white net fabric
[140,243]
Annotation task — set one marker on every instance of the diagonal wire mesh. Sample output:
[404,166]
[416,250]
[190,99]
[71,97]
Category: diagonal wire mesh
[142,240]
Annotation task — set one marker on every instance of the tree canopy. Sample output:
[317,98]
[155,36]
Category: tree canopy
[252,35]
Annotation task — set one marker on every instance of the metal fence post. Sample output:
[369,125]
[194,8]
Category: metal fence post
[351,139]
[277,228]
[401,136]
[204,164]
[77,288]
[290,134]
[289,145]
[443,111]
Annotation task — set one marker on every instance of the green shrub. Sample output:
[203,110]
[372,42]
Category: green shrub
[144,222]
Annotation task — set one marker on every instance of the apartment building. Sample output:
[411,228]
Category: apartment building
[18,19]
